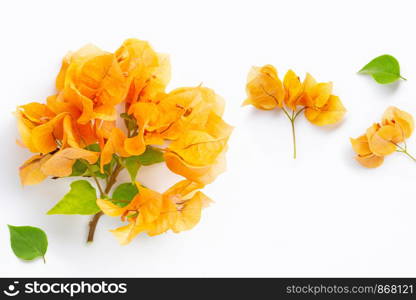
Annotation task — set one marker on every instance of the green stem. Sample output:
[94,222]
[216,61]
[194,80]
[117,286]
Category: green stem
[102,194]
[292,121]
[404,150]
[408,154]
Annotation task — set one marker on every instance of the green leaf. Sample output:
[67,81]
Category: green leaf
[80,200]
[28,242]
[124,193]
[132,165]
[78,168]
[129,121]
[151,156]
[94,170]
[93,147]
[108,168]
[384,69]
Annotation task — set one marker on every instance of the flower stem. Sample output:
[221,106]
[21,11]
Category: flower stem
[408,154]
[111,181]
[292,121]
[404,150]
[93,225]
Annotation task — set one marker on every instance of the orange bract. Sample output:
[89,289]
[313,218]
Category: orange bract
[264,88]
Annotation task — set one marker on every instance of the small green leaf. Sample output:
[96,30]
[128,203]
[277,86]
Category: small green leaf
[149,157]
[93,147]
[108,168]
[78,168]
[124,193]
[129,121]
[132,165]
[95,170]
[384,69]
[28,242]
[80,200]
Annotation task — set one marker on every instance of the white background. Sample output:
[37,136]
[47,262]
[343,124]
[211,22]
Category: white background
[321,215]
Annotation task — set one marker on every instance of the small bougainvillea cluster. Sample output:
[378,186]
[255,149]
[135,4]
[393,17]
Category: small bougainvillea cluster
[77,133]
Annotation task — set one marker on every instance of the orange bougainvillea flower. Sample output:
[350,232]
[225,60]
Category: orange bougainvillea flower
[322,108]
[111,112]
[264,88]
[364,155]
[293,90]
[402,120]
[200,149]
[266,91]
[178,209]
[92,80]
[148,71]
[382,139]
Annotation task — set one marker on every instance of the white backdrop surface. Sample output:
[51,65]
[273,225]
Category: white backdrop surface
[321,215]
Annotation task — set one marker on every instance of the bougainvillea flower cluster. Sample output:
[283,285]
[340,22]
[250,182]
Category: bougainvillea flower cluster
[77,132]
[267,92]
[384,138]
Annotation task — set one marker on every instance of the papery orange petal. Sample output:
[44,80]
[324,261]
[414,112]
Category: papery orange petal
[42,136]
[57,104]
[60,79]
[264,88]
[182,190]
[203,175]
[320,94]
[190,214]
[110,208]
[400,118]
[25,128]
[105,112]
[381,142]
[36,112]
[201,148]
[87,108]
[127,233]
[293,89]
[148,203]
[87,135]
[360,145]
[370,160]
[31,171]
[332,112]
[70,138]
[135,145]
